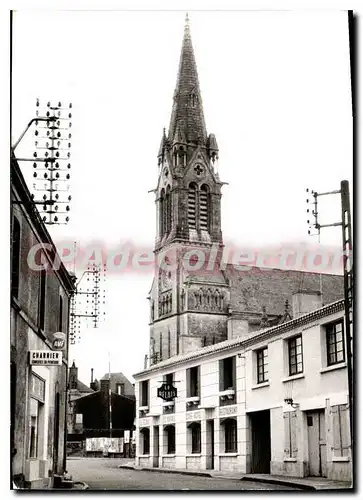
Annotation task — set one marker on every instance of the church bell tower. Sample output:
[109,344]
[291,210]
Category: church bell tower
[187,307]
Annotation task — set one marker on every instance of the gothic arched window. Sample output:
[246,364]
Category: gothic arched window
[182,156]
[161,213]
[203,207]
[167,210]
[192,202]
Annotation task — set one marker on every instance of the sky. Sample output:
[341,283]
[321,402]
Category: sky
[276,93]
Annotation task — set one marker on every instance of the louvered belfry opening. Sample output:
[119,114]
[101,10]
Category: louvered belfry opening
[203,207]
[192,202]
[168,210]
[161,213]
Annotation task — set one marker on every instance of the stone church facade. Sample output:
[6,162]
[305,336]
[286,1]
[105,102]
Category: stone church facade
[256,354]
[195,297]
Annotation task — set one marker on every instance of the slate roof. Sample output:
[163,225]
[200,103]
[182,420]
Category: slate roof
[187,118]
[81,387]
[255,287]
[119,378]
[250,339]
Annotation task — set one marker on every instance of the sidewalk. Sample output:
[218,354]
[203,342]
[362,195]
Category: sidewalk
[306,483]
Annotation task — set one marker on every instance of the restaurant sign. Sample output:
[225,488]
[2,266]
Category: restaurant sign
[167,392]
[45,358]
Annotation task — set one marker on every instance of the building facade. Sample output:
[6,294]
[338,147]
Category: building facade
[40,297]
[274,401]
[195,294]
[208,319]
[101,417]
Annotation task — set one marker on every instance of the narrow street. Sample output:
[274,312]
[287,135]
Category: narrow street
[101,473]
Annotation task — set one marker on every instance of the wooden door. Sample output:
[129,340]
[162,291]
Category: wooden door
[316,442]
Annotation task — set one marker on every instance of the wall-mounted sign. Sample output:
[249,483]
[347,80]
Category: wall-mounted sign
[45,358]
[59,341]
[37,387]
[167,391]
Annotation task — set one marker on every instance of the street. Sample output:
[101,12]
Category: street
[103,473]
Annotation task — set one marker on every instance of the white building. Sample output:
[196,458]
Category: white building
[274,401]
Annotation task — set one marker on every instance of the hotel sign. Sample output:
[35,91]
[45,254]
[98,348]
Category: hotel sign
[45,358]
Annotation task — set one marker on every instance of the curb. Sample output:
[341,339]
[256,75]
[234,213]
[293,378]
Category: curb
[181,472]
[281,482]
[84,485]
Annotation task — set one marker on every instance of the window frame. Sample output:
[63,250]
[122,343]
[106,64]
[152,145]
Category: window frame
[144,393]
[328,334]
[292,348]
[170,439]
[196,438]
[223,385]
[264,372]
[42,299]
[15,257]
[230,435]
[193,389]
[145,433]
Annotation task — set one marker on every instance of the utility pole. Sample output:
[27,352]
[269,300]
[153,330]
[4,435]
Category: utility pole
[347,247]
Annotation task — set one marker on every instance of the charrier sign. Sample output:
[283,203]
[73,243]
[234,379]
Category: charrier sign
[45,358]
[167,392]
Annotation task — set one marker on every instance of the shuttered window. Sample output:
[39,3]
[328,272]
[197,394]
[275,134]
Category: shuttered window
[290,433]
[203,207]
[192,202]
[341,434]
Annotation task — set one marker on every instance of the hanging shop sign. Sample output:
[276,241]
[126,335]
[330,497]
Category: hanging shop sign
[45,358]
[59,341]
[167,392]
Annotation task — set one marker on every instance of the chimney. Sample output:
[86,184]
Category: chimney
[91,376]
[105,385]
[95,385]
[305,301]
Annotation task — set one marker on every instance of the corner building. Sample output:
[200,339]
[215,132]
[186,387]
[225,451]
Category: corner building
[199,309]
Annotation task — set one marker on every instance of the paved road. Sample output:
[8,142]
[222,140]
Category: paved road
[101,474]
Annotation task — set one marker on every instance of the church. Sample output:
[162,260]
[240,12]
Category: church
[191,308]
[205,319]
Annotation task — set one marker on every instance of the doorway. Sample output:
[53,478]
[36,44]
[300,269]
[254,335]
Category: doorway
[210,444]
[156,446]
[316,442]
[261,441]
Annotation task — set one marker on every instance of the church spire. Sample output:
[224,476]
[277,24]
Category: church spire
[187,118]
